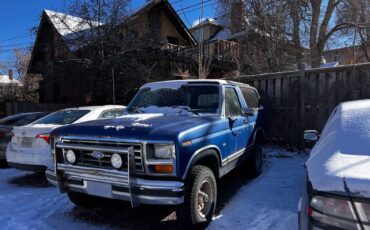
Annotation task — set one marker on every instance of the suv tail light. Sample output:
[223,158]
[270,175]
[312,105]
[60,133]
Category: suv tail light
[45,137]
[2,135]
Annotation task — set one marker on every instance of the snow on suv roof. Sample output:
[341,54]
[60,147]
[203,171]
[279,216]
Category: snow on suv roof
[343,151]
[202,81]
[96,107]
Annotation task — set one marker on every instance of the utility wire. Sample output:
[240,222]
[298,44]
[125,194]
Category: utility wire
[180,11]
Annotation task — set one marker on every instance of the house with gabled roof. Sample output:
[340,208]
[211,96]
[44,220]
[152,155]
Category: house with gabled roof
[59,59]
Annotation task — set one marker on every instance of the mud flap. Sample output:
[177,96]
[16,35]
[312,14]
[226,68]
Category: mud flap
[132,177]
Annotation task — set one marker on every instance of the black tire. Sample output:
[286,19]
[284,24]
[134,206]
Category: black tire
[84,200]
[197,211]
[255,165]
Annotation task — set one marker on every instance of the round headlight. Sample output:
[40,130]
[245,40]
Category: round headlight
[71,156]
[116,161]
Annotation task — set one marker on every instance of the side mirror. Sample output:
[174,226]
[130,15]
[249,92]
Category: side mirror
[249,111]
[311,136]
[231,120]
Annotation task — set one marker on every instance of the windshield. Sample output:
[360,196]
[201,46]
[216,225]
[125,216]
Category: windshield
[64,117]
[184,98]
[28,119]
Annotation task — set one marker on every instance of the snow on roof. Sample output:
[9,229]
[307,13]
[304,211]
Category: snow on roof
[97,107]
[325,65]
[343,151]
[69,27]
[223,34]
[163,83]
[4,79]
[67,24]
[203,21]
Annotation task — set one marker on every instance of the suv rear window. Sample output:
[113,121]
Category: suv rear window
[251,97]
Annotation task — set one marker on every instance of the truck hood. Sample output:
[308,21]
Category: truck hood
[343,152]
[138,126]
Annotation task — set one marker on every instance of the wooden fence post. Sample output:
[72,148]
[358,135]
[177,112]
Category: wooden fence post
[302,110]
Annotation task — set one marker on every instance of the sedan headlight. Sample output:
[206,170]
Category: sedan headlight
[162,151]
[337,211]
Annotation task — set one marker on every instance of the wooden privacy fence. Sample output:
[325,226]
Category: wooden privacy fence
[300,100]
[23,107]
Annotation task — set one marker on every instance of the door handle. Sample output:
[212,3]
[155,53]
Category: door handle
[245,121]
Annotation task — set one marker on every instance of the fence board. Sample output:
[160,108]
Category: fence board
[298,100]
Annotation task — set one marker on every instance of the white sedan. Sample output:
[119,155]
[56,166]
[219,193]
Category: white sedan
[30,149]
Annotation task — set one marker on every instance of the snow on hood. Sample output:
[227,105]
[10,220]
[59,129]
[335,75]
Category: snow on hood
[178,110]
[141,116]
[343,151]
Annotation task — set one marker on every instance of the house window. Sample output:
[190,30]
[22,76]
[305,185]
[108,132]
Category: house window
[336,58]
[173,40]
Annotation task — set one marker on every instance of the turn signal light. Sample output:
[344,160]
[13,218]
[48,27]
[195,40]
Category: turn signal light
[163,168]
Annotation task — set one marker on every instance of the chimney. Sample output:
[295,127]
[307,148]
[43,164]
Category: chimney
[10,73]
[237,16]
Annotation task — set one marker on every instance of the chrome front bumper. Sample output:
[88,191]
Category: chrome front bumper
[116,185]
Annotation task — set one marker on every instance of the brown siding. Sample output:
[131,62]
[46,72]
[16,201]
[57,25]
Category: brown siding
[168,29]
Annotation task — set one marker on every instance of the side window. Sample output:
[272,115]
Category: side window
[111,113]
[232,103]
[251,97]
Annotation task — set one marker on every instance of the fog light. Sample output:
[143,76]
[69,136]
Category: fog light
[71,156]
[116,161]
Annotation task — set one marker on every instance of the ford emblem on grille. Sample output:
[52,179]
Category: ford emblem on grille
[97,155]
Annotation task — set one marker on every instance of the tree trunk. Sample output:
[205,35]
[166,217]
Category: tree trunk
[295,15]
[315,59]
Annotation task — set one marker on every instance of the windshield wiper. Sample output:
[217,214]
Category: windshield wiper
[353,204]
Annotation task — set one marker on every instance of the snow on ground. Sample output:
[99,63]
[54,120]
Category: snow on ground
[271,200]
[268,202]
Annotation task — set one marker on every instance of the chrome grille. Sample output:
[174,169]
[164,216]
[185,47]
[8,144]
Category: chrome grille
[84,153]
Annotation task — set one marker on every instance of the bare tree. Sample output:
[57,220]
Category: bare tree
[98,37]
[265,32]
[356,12]
[26,90]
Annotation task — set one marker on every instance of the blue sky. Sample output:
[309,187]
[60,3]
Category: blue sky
[17,17]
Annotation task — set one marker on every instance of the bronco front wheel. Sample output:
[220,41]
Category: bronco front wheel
[201,197]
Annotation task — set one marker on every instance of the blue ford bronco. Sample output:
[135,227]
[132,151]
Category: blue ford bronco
[173,143]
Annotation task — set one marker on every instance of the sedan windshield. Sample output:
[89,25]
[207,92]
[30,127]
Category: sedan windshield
[64,117]
[184,98]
